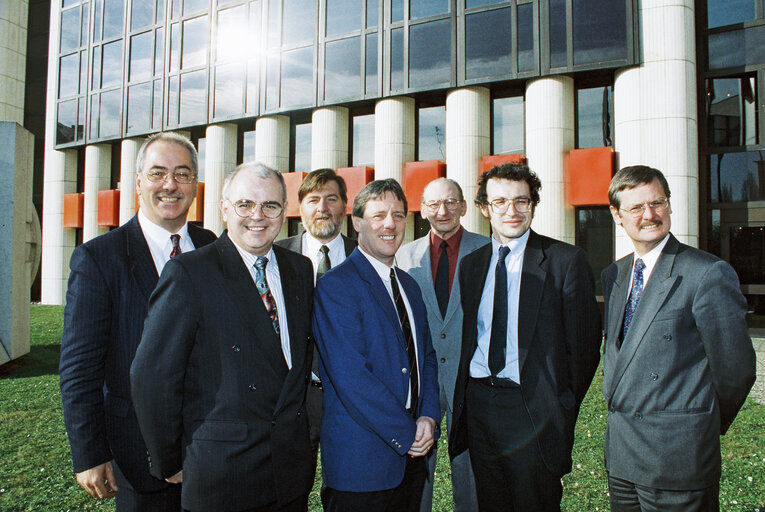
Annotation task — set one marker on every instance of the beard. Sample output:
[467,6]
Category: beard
[323,228]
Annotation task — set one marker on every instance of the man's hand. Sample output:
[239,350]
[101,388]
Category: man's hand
[423,438]
[98,481]
[176,478]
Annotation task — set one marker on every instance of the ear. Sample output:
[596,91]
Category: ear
[223,210]
[485,211]
[615,215]
[356,223]
[463,208]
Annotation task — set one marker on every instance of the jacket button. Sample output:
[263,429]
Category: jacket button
[667,337]
[638,415]
[443,335]
[404,371]
[654,376]
[252,387]
[443,359]
[236,348]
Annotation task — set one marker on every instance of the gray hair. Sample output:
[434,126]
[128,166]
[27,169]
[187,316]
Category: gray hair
[171,137]
[260,170]
[451,182]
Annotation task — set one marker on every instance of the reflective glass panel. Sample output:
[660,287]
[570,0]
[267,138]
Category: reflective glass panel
[97,10]
[160,11]
[252,86]
[431,134]
[139,108]
[557,33]
[175,47]
[140,57]
[159,51]
[109,119]
[507,129]
[70,30]
[732,111]
[600,30]
[303,147]
[430,53]
[342,71]
[141,14]
[737,177]
[488,37]
[83,71]
[272,81]
[297,77]
[396,10]
[397,58]
[201,151]
[364,140]
[235,40]
[727,12]
[298,22]
[113,15]
[343,16]
[175,9]
[84,25]
[112,64]
[593,117]
[93,121]
[229,87]
[737,48]
[68,73]
[67,3]
[95,74]
[193,108]
[423,8]
[81,118]
[274,8]
[469,4]
[156,108]
[595,234]
[248,146]
[194,6]
[172,101]
[195,38]
[371,64]
[66,121]
[525,26]
[372,13]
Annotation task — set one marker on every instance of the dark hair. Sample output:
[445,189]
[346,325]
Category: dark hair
[631,177]
[261,170]
[451,182]
[374,190]
[174,138]
[317,179]
[513,172]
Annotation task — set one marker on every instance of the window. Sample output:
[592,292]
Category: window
[248,146]
[727,12]
[73,72]
[431,133]
[342,69]
[599,31]
[488,48]
[363,140]
[736,48]
[732,111]
[737,177]
[507,125]
[430,53]
[595,234]
[594,111]
[301,155]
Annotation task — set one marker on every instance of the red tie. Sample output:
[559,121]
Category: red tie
[176,241]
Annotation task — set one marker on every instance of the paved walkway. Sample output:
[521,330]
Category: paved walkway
[758,391]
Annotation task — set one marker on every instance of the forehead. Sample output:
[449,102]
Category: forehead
[440,190]
[326,189]
[642,193]
[248,185]
[164,150]
[500,187]
[384,203]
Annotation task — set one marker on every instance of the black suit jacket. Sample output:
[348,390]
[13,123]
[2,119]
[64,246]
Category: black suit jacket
[558,341]
[295,243]
[111,279]
[210,385]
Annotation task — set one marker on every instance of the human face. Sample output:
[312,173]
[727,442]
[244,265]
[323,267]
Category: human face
[443,222]
[511,224]
[381,230]
[255,233]
[165,203]
[649,229]
[322,211]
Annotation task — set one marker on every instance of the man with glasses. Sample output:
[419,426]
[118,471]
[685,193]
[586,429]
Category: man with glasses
[112,277]
[220,377]
[530,347]
[678,362]
[432,261]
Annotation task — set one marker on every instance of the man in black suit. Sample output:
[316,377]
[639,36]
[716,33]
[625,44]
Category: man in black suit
[530,347]
[220,377]
[323,197]
[111,279]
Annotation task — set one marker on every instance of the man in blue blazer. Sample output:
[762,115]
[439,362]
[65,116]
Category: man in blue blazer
[112,277]
[378,367]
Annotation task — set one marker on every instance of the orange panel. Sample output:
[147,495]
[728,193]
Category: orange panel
[355,179]
[197,208]
[293,181]
[74,205]
[589,173]
[490,161]
[416,176]
[108,208]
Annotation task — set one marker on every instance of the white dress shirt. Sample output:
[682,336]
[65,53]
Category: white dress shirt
[311,248]
[649,260]
[158,239]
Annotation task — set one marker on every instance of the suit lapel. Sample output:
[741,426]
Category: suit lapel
[532,284]
[471,296]
[139,256]
[349,244]
[424,273]
[468,244]
[290,292]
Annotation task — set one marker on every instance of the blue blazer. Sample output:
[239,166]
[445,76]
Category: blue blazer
[366,429]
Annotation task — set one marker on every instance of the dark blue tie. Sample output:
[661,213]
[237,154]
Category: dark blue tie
[411,353]
[635,293]
[442,280]
[498,340]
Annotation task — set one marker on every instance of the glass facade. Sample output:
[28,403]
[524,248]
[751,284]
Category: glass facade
[363,140]
[594,111]
[431,133]
[595,234]
[508,125]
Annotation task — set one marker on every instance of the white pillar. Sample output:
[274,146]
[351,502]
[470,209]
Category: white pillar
[272,148]
[220,159]
[128,155]
[394,137]
[13,52]
[655,115]
[329,138]
[468,139]
[98,165]
[549,136]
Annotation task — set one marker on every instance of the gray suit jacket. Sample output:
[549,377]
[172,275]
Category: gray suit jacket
[683,370]
[295,243]
[446,333]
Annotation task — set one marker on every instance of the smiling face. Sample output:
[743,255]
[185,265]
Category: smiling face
[511,224]
[322,211]
[381,230]
[255,233]
[167,202]
[649,229]
[444,223]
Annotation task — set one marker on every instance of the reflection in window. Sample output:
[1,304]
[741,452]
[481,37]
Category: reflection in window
[737,177]
[595,234]
[201,152]
[342,72]
[139,111]
[593,117]
[235,40]
[397,59]
[364,140]
[297,77]
[140,57]
[84,26]
[175,47]
[70,30]
[343,16]
[195,33]
[248,146]
[159,52]
[66,117]
[396,10]
[600,30]
[194,6]
[229,87]
[747,256]
[430,53]
[488,36]
[431,134]
[372,14]
[423,8]
[727,12]
[469,4]
[95,73]
[111,73]
[192,103]
[141,14]
[736,48]
[302,147]
[83,71]
[109,116]
[156,116]
[299,24]
[252,86]
[69,69]
[371,64]
[731,111]
[113,14]
[172,101]
[272,81]
[558,46]
[525,28]
[507,128]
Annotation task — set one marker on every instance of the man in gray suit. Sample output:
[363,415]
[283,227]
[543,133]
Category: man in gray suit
[678,361]
[432,261]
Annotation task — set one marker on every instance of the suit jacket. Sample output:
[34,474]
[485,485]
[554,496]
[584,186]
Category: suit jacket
[559,333]
[683,370]
[211,387]
[366,429]
[446,332]
[295,243]
[110,282]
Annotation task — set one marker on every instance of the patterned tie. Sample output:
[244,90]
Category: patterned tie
[442,280]
[498,338]
[324,263]
[635,293]
[176,241]
[410,349]
[262,285]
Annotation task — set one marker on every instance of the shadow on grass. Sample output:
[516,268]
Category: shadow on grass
[41,360]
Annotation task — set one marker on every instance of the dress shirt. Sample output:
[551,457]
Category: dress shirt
[312,250]
[383,271]
[275,286]
[158,239]
[479,365]
[649,259]
[452,250]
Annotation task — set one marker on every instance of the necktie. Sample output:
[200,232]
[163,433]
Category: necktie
[262,285]
[410,350]
[635,293]
[176,241]
[324,263]
[498,339]
[442,280]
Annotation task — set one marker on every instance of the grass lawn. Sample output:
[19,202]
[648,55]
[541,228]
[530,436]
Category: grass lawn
[36,473]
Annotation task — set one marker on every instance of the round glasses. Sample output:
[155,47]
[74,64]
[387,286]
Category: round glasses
[245,208]
[451,205]
[501,204]
[182,177]
[658,206]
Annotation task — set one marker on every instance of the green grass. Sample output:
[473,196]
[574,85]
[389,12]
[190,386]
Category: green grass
[36,473]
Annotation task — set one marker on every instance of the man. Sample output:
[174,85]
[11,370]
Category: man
[219,379]
[111,279]
[678,361]
[530,346]
[323,197]
[377,365]
[432,261]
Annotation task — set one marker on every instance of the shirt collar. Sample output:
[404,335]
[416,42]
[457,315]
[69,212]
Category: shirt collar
[249,258]
[312,244]
[516,245]
[452,242]
[651,257]
[381,268]
[158,234]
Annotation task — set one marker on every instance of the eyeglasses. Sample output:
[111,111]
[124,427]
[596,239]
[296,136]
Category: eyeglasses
[451,205]
[245,208]
[501,204]
[182,177]
[658,206]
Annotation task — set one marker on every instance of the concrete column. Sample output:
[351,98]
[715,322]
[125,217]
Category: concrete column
[272,148]
[128,170]
[655,115]
[329,138]
[394,136]
[98,165]
[549,136]
[220,159]
[13,55]
[468,139]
